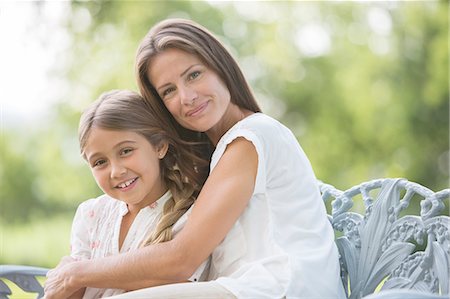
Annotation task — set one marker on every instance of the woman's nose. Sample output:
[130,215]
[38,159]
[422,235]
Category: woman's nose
[187,95]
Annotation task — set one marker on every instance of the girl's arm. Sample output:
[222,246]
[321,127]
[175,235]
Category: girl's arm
[222,200]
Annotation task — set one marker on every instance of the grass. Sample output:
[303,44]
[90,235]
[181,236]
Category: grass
[39,243]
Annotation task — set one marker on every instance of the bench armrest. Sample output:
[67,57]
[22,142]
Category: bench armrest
[404,294]
[24,277]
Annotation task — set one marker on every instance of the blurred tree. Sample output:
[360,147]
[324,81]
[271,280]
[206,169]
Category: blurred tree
[17,197]
[363,85]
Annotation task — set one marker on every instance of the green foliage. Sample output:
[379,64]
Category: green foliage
[16,180]
[42,174]
[40,244]
[371,101]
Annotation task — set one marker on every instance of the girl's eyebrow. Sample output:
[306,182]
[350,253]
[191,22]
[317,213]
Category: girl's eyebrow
[94,155]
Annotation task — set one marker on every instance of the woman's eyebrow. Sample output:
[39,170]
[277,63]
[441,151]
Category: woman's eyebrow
[187,70]
[181,75]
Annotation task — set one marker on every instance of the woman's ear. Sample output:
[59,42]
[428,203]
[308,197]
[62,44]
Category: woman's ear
[162,149]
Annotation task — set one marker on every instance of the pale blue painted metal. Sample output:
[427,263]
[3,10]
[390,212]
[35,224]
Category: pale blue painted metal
[22,276]
[384,248]
[409,255]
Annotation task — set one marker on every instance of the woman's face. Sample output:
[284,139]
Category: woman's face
[193,93]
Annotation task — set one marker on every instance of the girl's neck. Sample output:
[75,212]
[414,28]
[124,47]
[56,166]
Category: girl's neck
[151,198]
[232,115]
[133,211]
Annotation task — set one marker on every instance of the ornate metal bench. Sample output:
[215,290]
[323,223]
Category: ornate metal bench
[404,257]
[24,277]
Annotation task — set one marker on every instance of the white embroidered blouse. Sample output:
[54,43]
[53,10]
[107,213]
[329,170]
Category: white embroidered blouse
[96,228]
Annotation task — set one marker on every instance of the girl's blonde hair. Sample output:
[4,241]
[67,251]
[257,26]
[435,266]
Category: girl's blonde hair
[127,111]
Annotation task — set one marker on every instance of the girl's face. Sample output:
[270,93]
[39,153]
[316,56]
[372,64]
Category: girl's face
[194,94]
[126,166]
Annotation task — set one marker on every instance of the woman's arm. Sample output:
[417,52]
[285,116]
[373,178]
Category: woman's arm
[78,294]
[65,260]
[222,200]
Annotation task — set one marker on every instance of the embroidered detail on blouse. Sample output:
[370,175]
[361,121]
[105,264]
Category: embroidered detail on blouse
[96,230]
[95,244]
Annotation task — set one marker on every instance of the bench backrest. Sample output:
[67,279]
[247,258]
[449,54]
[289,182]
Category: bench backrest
[384,249]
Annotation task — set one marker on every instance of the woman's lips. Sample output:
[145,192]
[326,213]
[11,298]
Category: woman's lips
[198,110]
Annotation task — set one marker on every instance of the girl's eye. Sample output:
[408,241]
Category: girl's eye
[194,75]
[98,163]
[126,151]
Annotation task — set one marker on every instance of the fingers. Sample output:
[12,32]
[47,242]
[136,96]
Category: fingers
[53,286]
[66,260]
[57,285]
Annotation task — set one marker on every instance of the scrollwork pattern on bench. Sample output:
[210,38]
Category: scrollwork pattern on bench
[384,248]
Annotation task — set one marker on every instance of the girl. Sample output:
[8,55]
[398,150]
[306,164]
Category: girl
[146,173]
[259,213]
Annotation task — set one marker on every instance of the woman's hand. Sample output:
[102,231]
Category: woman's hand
[59,283]
[66,260]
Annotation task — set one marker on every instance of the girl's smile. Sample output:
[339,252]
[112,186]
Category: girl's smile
[126,166]
[127,185]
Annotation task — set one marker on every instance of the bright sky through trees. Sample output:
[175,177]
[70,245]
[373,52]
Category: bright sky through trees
[32,50]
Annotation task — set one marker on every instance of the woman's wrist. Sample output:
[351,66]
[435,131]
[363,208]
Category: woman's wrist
[76,275]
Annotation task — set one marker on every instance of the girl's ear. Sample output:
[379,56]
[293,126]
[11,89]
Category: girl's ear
[162,149]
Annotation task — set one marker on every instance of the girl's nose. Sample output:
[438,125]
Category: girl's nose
[117,170]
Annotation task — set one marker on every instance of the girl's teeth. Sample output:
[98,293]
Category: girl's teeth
[126,184]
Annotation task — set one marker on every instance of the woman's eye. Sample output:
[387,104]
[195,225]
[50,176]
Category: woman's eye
[167,91]
[194,75]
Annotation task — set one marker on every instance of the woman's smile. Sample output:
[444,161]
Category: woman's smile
[198,110]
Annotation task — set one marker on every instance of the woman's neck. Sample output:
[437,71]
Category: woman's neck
[232,115]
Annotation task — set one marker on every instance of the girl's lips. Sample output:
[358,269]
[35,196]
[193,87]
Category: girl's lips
[128,187]
[198,110]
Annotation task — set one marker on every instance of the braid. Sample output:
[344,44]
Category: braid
[173,209]
[184,188]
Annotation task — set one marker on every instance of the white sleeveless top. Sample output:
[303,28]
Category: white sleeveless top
[283,244]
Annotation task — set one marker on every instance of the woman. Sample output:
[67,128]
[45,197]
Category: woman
[259,213]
